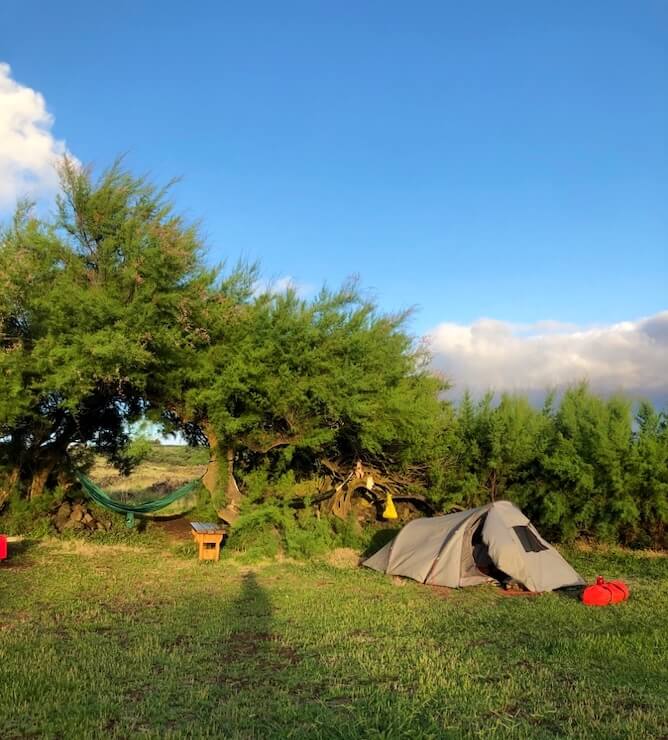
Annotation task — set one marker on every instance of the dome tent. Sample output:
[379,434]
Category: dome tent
[492,542]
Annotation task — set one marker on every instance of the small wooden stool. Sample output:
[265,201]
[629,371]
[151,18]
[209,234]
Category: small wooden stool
[208,537]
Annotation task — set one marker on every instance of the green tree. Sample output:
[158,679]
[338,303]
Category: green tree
[296,381]
[582,487]
[647,480]
[494,448]
[100,311]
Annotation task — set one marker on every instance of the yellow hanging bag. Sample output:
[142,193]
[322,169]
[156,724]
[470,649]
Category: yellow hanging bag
[390,512]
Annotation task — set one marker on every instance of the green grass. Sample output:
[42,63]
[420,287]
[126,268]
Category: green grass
[141,640]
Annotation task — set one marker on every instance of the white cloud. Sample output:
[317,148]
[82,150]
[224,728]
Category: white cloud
[281,285]
[631,356]
[28,149]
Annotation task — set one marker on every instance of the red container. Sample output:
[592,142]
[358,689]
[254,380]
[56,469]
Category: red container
[604,593]
[597,595]
[3,547]
[621,586]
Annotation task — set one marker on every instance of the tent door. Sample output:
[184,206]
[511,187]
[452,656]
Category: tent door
[477,566]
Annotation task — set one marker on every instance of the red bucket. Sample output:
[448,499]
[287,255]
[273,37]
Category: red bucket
[3,547]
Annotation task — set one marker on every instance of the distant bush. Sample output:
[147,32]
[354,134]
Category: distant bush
[138,450]
[178,455]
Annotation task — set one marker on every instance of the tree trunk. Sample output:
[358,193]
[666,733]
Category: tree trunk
[230,513]
[233,492]
[51,460]
[210,479]
[7,484]
[219,477]
[39,480]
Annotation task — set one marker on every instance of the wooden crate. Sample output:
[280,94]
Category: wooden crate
[208,537]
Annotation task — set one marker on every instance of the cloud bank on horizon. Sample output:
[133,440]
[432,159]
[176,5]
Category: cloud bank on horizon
[631,356]
[28,149]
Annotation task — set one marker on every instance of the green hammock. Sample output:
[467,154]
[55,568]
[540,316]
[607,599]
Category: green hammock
[147,507]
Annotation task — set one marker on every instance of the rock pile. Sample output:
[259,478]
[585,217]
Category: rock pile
[76,516]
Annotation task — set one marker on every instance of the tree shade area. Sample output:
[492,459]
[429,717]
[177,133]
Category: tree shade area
[109,314]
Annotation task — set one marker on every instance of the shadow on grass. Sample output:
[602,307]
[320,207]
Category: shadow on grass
[247,654]
[17,548]
[571,592]
[18,554]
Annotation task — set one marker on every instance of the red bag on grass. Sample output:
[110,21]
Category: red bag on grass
[602,593]
[3,547]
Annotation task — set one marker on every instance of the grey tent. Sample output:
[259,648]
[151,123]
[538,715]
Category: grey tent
[495,541]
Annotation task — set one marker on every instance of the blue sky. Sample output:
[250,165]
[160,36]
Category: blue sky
[484,159]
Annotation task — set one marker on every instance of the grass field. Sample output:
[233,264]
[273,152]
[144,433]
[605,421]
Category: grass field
[165,468]
[141,640]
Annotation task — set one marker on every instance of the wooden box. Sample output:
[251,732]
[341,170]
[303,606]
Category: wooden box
[208,537]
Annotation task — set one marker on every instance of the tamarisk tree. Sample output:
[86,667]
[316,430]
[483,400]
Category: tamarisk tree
[296,381]
[101,309]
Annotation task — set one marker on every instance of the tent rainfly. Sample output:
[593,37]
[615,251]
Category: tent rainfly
[492,542]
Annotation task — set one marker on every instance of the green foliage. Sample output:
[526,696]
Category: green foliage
[258,533]
[584,469]
[103,309]
[110,315]
[205,509]
[260,486]
[30,518]
[311,536]
[297,380]
[138,450]
[265,530]
[349,533]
